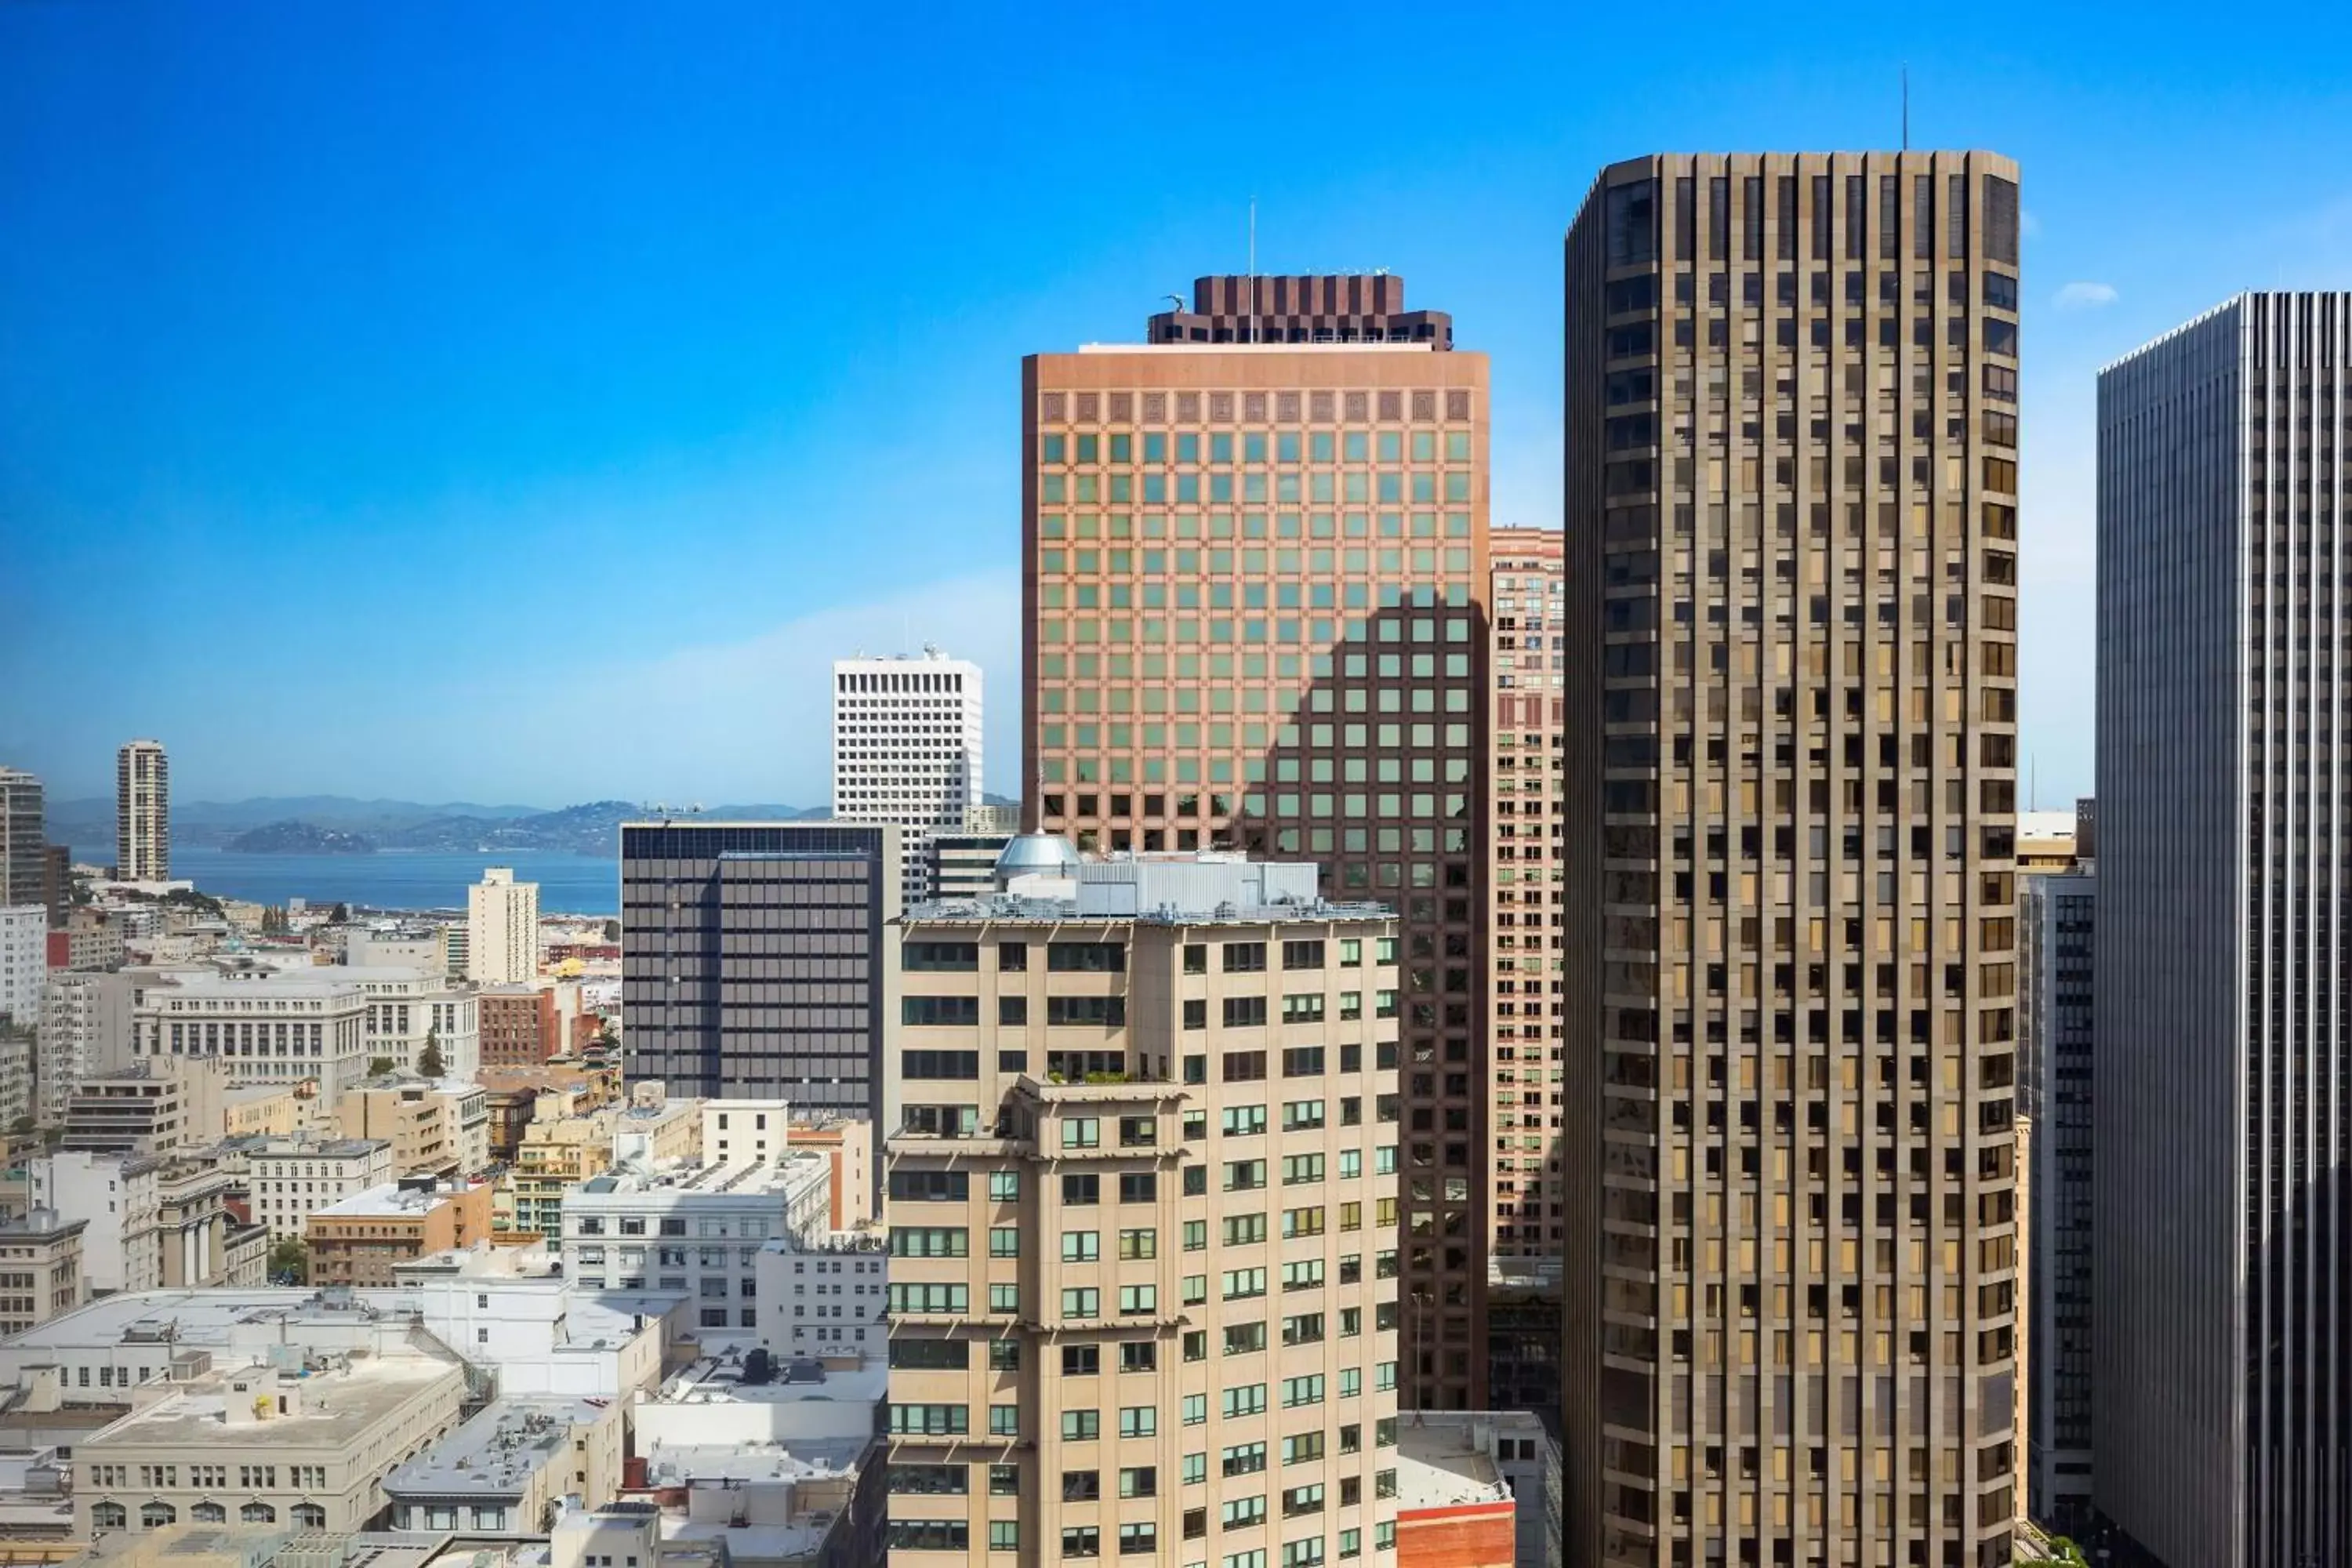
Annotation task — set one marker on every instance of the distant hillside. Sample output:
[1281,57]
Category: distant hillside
[297,838]
[211,824]
[335,822]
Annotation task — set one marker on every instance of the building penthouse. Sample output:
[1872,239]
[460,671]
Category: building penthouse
[1255,571]
[1791,492]
[1144,1204]
[2223,1417]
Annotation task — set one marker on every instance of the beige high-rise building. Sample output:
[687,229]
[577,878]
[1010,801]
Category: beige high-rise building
[1254,554]
[1143,1287]
[1526,670]
[142,812]
[501,929]
[1791,496]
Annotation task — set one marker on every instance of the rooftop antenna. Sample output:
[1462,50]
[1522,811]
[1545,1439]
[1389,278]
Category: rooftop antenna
[1253,269]
[1907,106]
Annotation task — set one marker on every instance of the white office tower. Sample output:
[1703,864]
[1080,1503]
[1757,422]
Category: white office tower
[501,929]
[906,749]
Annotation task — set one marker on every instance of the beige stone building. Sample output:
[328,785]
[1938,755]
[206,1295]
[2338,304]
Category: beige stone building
[290,1179]
[434,1128]
[156,1106]
[254,1446]
[1255,558]
[40,1269]
[1791,1247]
[1144,1234]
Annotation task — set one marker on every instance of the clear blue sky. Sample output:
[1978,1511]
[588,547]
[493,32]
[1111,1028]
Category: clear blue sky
[524,401]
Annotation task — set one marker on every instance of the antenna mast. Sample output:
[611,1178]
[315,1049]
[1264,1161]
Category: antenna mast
[1907,108]
[1253,269]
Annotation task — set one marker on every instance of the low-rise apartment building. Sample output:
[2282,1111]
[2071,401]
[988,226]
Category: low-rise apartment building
[86,1032]
[436,1127]
[556,1154]
[695,1229]
[359,1239]
[290,1179]
[40,1269]
[509,1469]
[518,1026]
[156,1106]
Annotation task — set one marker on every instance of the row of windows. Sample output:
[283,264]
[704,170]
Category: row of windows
[1255,447]
[1319,407]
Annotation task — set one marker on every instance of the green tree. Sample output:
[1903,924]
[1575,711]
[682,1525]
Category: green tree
[612,931]
[379,1065]
[428,1060]
[2062,1554]
[289,1263]
[341,914]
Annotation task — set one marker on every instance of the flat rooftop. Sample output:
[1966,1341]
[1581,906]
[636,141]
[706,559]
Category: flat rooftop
[335,1407]
[282,1148]
[741,1178]
[497,1453]
[715,1382]
[390,1201]
[1440,1467]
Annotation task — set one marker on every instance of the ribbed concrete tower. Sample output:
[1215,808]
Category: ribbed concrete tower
[1790,970]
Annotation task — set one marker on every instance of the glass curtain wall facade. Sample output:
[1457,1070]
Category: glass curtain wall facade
[2223,1429]
[1255,616]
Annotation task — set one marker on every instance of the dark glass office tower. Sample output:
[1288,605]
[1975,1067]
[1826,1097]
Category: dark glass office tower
[1791,526]
[755,959]
[2222,1340]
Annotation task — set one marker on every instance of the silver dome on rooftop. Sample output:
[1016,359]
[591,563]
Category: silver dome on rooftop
[1036,855]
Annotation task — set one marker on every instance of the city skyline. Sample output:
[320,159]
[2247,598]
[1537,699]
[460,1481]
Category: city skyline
[699,342]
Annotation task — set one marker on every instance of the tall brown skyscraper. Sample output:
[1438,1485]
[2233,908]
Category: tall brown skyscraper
[1792,523]
[1255,553]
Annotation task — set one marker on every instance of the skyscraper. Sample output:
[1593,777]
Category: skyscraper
[2057,917]
[1143,1278]
[1255,556]
[1791,532]
[501,929]
[756,959]
[142,812]
[1526,667]
[2224,1416]
[24,830]
[906,748]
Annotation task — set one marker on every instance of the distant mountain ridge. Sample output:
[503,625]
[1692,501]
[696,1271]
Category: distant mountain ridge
[454,827]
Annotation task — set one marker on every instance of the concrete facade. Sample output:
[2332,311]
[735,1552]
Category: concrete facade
[1791,491]
[501,930]
[142,812]
[907,747]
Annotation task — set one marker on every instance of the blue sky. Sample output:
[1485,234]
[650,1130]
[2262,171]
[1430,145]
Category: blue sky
[525,401]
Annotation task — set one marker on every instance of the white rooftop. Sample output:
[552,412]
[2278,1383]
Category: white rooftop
[1441,1467]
